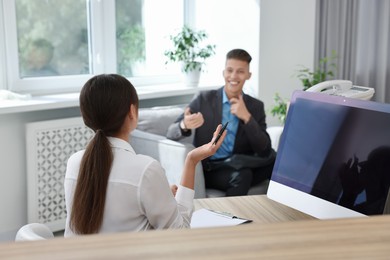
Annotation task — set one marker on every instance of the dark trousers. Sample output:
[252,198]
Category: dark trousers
[237,174]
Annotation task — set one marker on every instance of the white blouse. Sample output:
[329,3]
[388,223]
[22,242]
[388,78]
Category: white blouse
[138,193]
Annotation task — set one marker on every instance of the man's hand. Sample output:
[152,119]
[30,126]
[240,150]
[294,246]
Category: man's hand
[192,121]
[238,108]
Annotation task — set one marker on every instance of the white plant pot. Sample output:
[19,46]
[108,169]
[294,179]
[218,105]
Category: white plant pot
[191,78]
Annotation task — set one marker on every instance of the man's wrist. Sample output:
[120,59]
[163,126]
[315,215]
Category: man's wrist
[248,118]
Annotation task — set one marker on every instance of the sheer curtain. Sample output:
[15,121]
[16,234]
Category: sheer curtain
[359,32]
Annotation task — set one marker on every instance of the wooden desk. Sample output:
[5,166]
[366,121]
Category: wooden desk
[359,238]
[258,208]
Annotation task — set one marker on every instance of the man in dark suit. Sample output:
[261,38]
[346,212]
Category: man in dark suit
[245,158]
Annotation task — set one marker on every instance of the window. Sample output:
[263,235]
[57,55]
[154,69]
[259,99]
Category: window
[48,45]
[230,24]
[55,46]
[52,38]
[142,29]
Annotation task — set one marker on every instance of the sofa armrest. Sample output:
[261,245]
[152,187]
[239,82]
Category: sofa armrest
[275,133]
[170,154]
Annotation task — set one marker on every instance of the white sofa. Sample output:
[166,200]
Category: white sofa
[149,139]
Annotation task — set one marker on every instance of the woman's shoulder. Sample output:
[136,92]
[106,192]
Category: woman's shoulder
[146,159]
[142,163]
[76,157]
[73,165]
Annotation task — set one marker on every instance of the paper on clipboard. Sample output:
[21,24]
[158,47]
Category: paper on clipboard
[203,218]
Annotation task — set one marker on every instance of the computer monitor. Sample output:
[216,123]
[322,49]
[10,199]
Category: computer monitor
[333,158]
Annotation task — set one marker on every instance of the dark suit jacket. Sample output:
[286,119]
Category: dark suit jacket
[251,138]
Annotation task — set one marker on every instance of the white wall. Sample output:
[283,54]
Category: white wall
[286,39]
[287,36]
[13,193]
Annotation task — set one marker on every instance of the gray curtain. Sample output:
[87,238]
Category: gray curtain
[359,32]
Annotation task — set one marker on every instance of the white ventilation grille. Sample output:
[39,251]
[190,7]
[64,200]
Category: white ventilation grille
[49,146]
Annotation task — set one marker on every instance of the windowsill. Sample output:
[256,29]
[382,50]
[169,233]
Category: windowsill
[68,100]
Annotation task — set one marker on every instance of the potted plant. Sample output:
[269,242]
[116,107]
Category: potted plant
[188,50]
[320,74]
[280,108]
[308,78]
[131,49]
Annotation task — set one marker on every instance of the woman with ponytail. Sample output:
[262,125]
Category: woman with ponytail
[110,188]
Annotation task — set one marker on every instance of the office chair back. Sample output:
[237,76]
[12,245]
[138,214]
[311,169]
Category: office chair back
[34,231]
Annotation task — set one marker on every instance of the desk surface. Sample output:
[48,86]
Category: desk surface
[358,238]
[258,208]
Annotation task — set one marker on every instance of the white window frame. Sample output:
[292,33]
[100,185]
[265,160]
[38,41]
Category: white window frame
[36,85]
[2,51]
[103,54]
[101,19]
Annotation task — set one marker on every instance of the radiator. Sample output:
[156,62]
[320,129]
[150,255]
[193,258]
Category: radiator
[49,144]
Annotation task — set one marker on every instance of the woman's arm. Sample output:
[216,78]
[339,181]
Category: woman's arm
[198,154]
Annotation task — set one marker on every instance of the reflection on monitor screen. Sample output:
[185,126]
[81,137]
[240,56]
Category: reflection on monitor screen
[334,156]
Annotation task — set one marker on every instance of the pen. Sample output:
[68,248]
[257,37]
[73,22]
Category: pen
[226,214]
[221,132]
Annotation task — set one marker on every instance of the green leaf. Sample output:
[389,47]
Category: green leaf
[319,74]
[187,48]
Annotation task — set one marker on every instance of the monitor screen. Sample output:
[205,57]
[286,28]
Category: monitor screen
[334,156]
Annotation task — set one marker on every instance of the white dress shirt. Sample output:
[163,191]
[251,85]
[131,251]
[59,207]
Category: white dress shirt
[138,193]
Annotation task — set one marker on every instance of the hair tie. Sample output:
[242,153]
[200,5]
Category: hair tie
[100,131]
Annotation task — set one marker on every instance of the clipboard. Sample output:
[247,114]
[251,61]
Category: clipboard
[204,218]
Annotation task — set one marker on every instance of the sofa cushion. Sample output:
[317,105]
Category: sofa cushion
[156,120]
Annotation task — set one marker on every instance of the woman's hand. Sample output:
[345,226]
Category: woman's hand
[198,154]
[206,150]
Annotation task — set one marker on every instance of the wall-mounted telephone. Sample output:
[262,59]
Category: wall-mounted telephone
[343,88]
